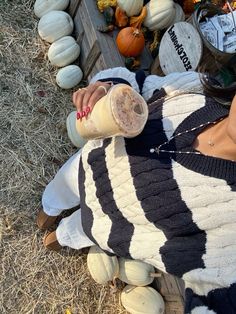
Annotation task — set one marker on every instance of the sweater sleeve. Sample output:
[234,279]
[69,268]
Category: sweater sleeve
[117,75]
[172,84]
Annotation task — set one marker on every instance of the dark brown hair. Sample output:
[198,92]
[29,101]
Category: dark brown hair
[211,88]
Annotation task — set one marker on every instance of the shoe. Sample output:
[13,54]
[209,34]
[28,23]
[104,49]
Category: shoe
[50,242]
[44,221]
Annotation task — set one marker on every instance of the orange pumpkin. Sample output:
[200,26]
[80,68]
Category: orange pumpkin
[130,41]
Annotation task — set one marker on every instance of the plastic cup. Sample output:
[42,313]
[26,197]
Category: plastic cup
[122,112]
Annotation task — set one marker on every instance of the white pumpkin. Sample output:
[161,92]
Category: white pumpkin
[135,272]
[179,14]
[72,132]
[63,51]
[41,7]
[142,300]
[131,7]
[160,14]
[69,76]
[54,25]
[103,268]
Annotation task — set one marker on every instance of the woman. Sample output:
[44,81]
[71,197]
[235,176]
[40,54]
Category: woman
[167,196]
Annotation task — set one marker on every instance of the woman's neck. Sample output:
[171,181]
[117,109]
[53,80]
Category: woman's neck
[216,141]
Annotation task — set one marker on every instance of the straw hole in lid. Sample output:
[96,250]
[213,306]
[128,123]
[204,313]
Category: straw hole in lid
[138,109]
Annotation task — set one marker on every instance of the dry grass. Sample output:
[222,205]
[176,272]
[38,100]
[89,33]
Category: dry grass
[33,145]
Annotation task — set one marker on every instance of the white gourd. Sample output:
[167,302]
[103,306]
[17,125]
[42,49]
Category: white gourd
[136,272]
[63,51]
[69,76]
[54,25]
[103,268]
[142,300]
[131,7]
[41,7]
[159,14]
[72,132]
[179,14]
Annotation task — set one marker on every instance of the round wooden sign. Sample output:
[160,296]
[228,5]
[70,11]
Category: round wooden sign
[180,48]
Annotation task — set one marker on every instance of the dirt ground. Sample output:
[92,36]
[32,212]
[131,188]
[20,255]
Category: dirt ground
[33,145]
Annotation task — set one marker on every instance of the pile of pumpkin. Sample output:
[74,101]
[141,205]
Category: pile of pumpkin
[55,27]
[132,16]
[136,297]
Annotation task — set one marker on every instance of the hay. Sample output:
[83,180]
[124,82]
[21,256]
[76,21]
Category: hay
[33,145]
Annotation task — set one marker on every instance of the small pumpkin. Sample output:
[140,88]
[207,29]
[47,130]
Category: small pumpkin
[136,272]
[130,41]
[74,136]
[54,25]
[63,51]
[160,14]
[103,268]
[41,7]
[142,300]
[131,7]
[69,76]
[121,19]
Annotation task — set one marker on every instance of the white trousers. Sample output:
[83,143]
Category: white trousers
[63,193]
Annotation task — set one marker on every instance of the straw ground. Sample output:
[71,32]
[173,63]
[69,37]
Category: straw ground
[33,145]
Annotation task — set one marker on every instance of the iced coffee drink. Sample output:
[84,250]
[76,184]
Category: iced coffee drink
[121,112]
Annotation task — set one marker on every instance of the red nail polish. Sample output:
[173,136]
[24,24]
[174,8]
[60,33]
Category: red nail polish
[83,114]
[87,110]
[78,115]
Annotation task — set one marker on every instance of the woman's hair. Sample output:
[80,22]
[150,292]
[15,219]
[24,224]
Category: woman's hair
[212,87]
[220,92]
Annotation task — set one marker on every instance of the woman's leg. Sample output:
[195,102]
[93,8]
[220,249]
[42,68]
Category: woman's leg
[70,232]
[63,191]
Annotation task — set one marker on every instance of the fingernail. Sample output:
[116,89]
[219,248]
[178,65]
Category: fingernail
[78,115]
[87,110]
[83,114]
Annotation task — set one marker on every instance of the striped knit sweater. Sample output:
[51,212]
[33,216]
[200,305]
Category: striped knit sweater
[174,211]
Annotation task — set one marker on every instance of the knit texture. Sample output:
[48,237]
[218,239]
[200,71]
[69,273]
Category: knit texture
[174,211]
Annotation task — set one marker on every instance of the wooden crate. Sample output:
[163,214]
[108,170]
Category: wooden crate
[172,290]
[98,50]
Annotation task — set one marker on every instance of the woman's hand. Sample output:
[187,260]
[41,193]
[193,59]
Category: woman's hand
[85,98]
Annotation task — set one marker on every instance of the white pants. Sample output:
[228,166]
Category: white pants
[63,193]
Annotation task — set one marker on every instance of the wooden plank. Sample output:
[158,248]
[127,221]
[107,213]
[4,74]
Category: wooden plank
[172,290]
[90,61]
[73,6]
[91,19]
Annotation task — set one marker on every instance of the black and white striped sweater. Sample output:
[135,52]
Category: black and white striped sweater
[174,211]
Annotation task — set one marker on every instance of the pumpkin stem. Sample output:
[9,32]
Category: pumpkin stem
[136,21]
[136,32]
[155,275]
[113,285]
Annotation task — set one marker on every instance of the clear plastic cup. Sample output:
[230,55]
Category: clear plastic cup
[122,112]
